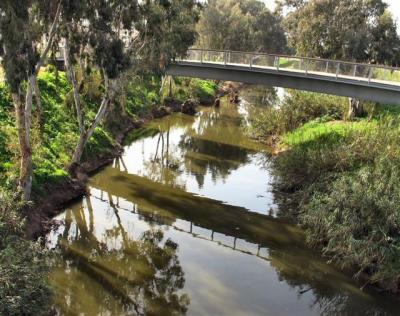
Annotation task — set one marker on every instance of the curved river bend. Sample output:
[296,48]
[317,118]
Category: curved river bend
[185,223]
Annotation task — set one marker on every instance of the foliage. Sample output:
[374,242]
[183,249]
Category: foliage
[357,221]
[182,89]
[359,30]
[296,109]
[23,266]
[203,90]
[240,25]
[142,94]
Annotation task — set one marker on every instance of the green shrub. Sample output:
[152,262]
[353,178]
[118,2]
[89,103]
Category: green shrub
[23,266]
[357,221]
[297,108]
[203,90]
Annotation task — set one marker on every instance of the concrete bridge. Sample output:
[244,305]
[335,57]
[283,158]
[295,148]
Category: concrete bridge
[368,82]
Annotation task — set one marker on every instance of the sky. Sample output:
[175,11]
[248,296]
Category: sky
[394,7]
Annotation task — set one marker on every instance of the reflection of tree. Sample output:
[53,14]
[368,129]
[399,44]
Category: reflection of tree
[213,144]
[143,275]
[164,167]
[204,156]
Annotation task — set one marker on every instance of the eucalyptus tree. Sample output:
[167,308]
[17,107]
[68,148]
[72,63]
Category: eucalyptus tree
[24,24]
[95,29]
[241,25]
[354,30]
[119,37]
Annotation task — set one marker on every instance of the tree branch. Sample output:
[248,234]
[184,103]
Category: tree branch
[52,33]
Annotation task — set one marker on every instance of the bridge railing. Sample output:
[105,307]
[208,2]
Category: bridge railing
[305,65]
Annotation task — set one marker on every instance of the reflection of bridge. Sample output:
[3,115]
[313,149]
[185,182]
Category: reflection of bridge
[229,242]
[161,201]
[364,81]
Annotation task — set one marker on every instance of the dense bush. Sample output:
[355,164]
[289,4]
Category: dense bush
[357,221]
[182,89]
[203,91]
[296,109]
[23,266]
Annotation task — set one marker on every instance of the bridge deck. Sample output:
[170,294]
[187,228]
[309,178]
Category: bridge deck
[364,81]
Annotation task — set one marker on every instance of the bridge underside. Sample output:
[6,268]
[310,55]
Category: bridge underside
[288,79]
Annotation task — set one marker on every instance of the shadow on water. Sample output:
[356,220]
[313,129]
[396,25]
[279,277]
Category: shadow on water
[178,226]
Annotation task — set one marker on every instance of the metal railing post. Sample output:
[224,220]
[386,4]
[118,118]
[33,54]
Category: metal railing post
[355,70]
[201,56]
[277,61]
[251,60]
[337,70]
[225,58]
[371,70]
[306,66]
[327,66]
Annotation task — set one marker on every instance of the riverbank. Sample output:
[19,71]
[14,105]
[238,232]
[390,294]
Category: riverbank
[341,179]
[53,196]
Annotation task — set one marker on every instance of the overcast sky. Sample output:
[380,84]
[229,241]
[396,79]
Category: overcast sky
[394,6]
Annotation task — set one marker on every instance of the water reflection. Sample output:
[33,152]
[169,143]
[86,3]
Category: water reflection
[179,225]
[127,273]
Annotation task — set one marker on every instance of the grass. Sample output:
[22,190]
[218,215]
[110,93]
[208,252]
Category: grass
[320,130]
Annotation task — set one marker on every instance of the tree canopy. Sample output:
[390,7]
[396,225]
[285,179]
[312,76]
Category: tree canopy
[358,30]
[244,25]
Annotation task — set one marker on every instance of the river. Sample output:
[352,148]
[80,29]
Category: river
[185,222]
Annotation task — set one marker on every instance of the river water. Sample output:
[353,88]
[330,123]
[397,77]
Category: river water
[185,223]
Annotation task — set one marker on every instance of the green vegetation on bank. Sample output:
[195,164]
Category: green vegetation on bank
[54,143]
[182,89]
[344,179]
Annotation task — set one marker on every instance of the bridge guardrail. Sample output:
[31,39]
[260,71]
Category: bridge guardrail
[304,65]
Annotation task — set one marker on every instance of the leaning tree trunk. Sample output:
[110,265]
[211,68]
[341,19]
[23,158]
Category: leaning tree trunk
[85,136]
[356,108]
[101,113]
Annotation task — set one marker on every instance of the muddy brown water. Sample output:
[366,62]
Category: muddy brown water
[185,223]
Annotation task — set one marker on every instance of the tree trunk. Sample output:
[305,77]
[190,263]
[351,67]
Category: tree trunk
[72,78]
[170,86]
[25,173]
[356,108]
[84,137]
